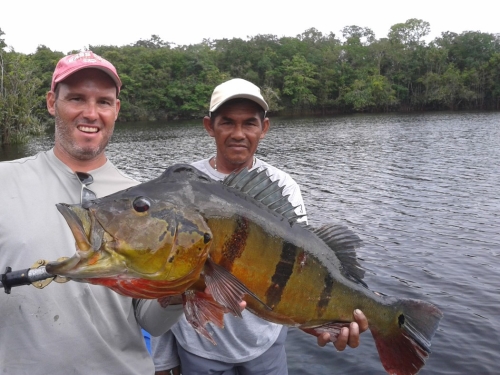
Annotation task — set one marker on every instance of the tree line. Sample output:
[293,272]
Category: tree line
[311,73]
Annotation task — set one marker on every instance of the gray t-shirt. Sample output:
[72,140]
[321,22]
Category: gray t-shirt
[71,328]
[240,340]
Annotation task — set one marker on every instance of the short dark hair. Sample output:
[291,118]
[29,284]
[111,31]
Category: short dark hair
[261,112]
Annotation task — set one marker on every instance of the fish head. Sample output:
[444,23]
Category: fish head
[134,237]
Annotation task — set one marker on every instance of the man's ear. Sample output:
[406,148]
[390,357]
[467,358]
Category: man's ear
[117,108]
[207,123]
[51,102]
[265,127]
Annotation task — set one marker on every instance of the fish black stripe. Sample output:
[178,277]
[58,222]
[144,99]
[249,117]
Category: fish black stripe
[282,273]
[326,294]
[234,247]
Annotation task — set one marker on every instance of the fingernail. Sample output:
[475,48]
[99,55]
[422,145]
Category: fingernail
[357,311]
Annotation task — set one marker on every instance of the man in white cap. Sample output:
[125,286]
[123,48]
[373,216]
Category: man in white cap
[72,328]
[237,120]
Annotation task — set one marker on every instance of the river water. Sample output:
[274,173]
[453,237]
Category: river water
[421,190]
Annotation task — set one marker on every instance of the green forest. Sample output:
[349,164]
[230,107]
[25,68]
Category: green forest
[311,73]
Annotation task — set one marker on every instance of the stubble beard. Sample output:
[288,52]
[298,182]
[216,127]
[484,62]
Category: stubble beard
[63,135]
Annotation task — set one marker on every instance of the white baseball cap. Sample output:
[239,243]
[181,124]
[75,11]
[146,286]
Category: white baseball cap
[236,88]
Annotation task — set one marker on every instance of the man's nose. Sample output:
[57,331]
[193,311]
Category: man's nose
[238,132]
[90,111]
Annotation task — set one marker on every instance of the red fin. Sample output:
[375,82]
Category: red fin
[332,328]
[399,355]
[404,348]
[200,308]
[226,289]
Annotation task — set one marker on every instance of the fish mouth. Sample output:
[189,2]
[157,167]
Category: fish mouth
[90,260]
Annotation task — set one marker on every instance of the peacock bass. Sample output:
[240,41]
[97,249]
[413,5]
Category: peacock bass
[183,232]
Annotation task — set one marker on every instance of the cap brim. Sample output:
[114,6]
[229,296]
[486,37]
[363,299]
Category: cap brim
[253,98]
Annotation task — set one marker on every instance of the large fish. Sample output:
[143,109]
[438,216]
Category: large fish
[240,238]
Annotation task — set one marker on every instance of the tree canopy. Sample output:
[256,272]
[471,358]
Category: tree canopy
[311,73]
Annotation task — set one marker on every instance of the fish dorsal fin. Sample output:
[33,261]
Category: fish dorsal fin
[259,186]
[344,243]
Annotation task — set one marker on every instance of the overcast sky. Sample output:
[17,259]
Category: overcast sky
[73,25]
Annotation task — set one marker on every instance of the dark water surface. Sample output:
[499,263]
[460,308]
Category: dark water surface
[421,190]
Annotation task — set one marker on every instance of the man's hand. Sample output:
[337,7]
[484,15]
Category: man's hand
[348,336]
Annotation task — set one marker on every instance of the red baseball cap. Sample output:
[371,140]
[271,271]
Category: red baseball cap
[87,59]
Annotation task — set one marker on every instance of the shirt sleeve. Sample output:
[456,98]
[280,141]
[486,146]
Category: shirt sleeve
[154,318]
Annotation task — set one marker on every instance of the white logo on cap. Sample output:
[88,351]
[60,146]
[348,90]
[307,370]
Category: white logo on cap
[86,57]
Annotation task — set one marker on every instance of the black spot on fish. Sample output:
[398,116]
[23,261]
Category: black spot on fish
[171,259]
[162,237]
[56,318]
[326,294]
[206,238]
[282,273]
[401,320]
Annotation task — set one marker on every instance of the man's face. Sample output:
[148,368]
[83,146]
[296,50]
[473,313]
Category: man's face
[237,130]
[85,112]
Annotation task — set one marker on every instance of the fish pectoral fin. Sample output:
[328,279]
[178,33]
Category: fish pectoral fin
[200,308]
[333,328]
[226,288]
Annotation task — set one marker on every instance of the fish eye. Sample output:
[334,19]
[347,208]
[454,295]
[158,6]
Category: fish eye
[141,204]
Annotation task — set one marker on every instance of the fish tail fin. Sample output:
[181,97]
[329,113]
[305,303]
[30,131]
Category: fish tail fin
[405,345]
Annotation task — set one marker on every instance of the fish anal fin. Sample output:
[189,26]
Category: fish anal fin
[226,288]
[332,328]
[200,308]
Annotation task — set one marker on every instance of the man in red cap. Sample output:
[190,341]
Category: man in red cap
[75,328]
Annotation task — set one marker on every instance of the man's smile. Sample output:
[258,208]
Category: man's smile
[88,129]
